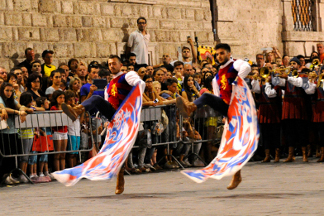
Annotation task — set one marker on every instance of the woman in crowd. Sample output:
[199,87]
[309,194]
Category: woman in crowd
[205,75]
[12,79]
[56,84]
[34,85]
[189,91]
[150,98]
[60,136]
[75,86]
[285,61]
[10,143]
[73,65]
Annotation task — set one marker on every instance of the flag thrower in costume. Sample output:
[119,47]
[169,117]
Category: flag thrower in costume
[121,135]
[240,137]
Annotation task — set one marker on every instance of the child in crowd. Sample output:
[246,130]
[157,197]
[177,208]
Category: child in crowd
[60,136]
[197,78]
[73,131]
[43,159]
[27,136]
[85,135]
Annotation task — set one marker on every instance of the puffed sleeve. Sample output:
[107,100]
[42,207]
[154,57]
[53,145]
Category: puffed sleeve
[242,67]
[311,89]
[133,79]
[270,92]
[256,86]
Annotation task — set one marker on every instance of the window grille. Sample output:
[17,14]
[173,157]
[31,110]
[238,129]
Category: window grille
[302,14]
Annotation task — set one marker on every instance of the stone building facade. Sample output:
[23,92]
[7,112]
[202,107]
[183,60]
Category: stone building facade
[250,25]
[93,29]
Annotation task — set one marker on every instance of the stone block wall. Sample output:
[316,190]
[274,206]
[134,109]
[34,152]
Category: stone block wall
[249,25]
[94,29]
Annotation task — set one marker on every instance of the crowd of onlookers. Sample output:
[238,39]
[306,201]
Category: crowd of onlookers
[32,86]
[35,85]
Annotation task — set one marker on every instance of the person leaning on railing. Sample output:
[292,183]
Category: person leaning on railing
[170,95]
[9,137]
[26,136]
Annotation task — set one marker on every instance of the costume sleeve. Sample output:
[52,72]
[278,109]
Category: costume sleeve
[242,67]
[105,93]
[298,82]
[215,87]
[270,92]
[133,79]
[131,40]
[277,81]
[256,86]
[311,89]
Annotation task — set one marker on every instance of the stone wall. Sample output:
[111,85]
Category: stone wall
[94,29]
[302,42]
[249,25]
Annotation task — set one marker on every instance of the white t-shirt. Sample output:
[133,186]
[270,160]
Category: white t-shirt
[139,45]
[172,63]
[50,90]
[75,128]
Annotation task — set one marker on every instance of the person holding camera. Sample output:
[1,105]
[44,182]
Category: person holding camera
[186,55]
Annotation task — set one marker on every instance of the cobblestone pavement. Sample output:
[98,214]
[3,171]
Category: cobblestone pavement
[267,189]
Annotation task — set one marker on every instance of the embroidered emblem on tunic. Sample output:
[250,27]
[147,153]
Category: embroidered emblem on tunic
[223,82]
[114,89]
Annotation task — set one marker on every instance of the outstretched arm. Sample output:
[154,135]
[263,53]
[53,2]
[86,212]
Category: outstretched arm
[242,67]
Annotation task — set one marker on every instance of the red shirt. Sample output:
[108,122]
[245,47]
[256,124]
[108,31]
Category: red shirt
[61,129]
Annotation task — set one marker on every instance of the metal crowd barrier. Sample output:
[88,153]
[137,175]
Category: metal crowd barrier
[41,124]
[150,117]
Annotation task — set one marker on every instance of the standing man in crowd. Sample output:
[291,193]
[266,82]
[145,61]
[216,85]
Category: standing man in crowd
[132,62]
[88,89]
[166,59]
[260,60]
[320,50]
[18,72]
[30,57]
[47,67]
[186,54]
[138,42]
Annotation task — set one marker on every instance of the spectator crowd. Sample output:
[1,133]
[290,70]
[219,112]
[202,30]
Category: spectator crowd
[38,85]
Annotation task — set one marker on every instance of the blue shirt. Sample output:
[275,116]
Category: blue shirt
[85,89]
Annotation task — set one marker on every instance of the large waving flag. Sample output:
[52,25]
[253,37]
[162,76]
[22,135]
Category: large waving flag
[240,137]
[121,135]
